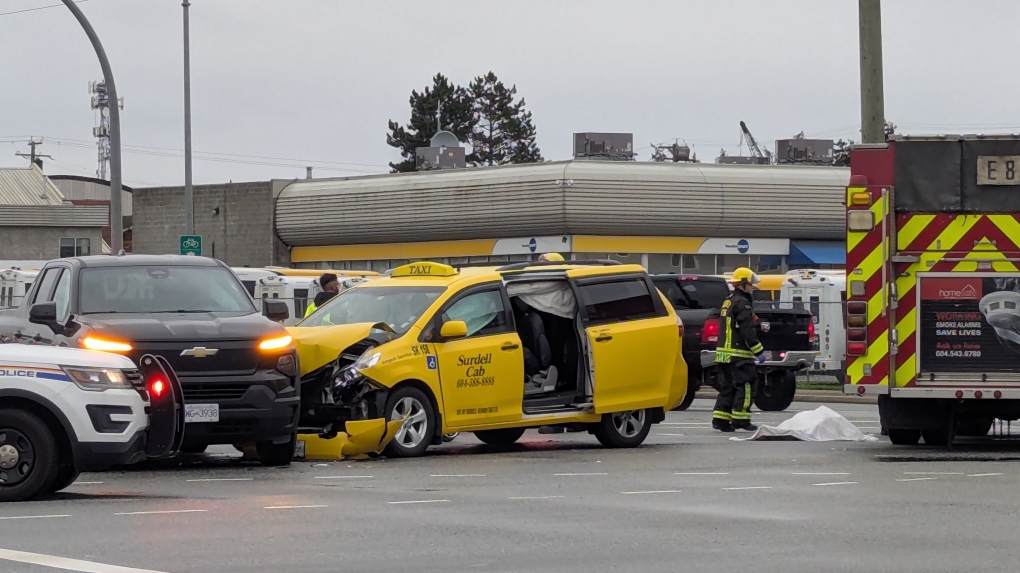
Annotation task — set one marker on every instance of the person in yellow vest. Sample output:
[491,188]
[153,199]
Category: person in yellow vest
[738,353]
[330,287]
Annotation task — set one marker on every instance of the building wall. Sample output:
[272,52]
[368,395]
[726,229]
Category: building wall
[235,221]
[43,243]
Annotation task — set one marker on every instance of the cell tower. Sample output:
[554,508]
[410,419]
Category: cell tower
[101,102]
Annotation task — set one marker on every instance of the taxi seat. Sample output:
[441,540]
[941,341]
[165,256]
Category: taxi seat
[539,371]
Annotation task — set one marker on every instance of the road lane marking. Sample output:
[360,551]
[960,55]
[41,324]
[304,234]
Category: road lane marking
[933,473]
[221,479]
[837,483]
[821,473]
[917,479]
[538,497]
[672,435]
[748,487]
[65,563]
[458,475]
[584,474]
[161,512]
[982,475]
[344,477]
[87,483]
[654,491]
[294,506]
[418,501]
[33,516]
[701,473]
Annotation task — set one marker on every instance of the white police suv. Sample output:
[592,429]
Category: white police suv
[64,411]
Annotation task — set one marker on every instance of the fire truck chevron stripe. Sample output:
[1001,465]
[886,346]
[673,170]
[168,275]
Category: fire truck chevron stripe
[1009,227]
[853,239]
[915,228]
[953,232]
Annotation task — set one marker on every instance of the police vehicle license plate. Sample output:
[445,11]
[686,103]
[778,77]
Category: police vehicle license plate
[194,413]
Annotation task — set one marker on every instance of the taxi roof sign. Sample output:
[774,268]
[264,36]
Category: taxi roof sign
[424,269]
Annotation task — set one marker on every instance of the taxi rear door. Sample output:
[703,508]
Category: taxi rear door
[632,341]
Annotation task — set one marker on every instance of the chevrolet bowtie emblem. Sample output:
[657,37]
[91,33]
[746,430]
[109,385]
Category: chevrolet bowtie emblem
[199,352]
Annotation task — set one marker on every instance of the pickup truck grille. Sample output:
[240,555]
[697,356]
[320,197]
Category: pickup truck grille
[199,393]
[231,357]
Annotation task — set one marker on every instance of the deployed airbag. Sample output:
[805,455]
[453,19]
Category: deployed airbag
[553,297]
[819,425]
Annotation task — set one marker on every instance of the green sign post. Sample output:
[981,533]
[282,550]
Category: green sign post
[191,245]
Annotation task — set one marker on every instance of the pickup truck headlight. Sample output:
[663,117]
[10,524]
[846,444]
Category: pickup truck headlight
[98,379]
[104,345]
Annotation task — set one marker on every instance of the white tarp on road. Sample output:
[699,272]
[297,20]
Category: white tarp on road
[819,425]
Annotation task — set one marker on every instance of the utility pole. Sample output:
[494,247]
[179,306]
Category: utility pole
[189,199]
[872,91]
[32,156]
[116,210]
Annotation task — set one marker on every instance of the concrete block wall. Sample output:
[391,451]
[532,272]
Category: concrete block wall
[234,219]
[43,243]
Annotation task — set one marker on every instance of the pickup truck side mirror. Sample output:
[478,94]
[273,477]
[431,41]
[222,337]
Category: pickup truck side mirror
[275,310]
[43,313]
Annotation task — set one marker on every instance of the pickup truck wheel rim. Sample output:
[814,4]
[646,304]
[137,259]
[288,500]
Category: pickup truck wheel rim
[416,422]
[629,424]
[17,457]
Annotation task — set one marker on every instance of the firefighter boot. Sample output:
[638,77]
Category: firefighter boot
[722,425]
[744,425]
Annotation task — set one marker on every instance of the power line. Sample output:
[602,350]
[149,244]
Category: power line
[38,8]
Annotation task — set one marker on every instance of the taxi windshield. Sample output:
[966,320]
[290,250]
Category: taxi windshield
[398,307]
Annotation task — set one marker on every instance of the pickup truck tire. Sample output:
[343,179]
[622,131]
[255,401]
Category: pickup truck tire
[29,456]
[623,429]
[503,437]
[905,437]
[692,390]
[775,394]
[271,454]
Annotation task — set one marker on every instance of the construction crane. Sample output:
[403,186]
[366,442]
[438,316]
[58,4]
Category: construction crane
[752,145]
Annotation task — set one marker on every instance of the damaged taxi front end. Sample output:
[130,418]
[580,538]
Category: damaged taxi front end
[338,402]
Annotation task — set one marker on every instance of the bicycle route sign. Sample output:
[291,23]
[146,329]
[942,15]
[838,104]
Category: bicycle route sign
[191,245]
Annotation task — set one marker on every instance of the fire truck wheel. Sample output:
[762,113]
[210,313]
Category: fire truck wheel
[905,437]
[976,427]
[776,393]
[937,437]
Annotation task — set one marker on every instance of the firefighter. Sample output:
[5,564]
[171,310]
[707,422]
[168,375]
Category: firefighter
[330,287]
[737,355]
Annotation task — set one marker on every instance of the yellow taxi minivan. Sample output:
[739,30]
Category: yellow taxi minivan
[493,351]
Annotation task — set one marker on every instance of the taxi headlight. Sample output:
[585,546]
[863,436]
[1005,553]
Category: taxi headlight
[98,379]
[367,360]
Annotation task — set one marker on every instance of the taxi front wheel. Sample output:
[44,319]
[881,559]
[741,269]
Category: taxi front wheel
[415,435]
[623,429]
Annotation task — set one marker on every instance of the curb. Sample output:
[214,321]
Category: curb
[811,396]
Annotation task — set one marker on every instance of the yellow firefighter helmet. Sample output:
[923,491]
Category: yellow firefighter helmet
[550,257]
[744,275]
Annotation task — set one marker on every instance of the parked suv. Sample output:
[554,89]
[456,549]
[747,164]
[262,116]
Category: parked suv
[493,351]
[238,368]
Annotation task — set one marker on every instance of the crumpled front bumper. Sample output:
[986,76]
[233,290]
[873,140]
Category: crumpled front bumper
[359,438]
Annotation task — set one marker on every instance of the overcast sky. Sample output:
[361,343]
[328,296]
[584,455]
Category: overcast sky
[313,82]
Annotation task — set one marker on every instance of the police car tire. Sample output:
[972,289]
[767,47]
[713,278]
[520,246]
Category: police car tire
[43,472]
[65,477]
[609,435]
[502,437]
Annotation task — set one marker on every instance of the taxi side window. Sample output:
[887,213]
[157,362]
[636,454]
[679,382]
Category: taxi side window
[483,312]
[618,301]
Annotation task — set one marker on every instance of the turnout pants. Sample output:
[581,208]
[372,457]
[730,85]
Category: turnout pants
[734,401]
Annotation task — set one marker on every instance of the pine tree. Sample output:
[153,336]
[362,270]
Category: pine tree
[457,117]
[504,132]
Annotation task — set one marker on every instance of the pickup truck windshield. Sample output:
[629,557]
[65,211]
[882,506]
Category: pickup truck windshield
[399,307]
[162,289]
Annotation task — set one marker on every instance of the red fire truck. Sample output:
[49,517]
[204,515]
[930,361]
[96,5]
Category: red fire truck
[933,283]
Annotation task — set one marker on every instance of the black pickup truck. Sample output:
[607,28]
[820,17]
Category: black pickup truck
[786,334]
[238,369]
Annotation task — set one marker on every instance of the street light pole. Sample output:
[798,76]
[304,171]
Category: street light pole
[189,200]
[116,217]
[872,91]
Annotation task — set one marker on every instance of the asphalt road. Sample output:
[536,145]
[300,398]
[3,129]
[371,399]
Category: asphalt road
[689,500]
